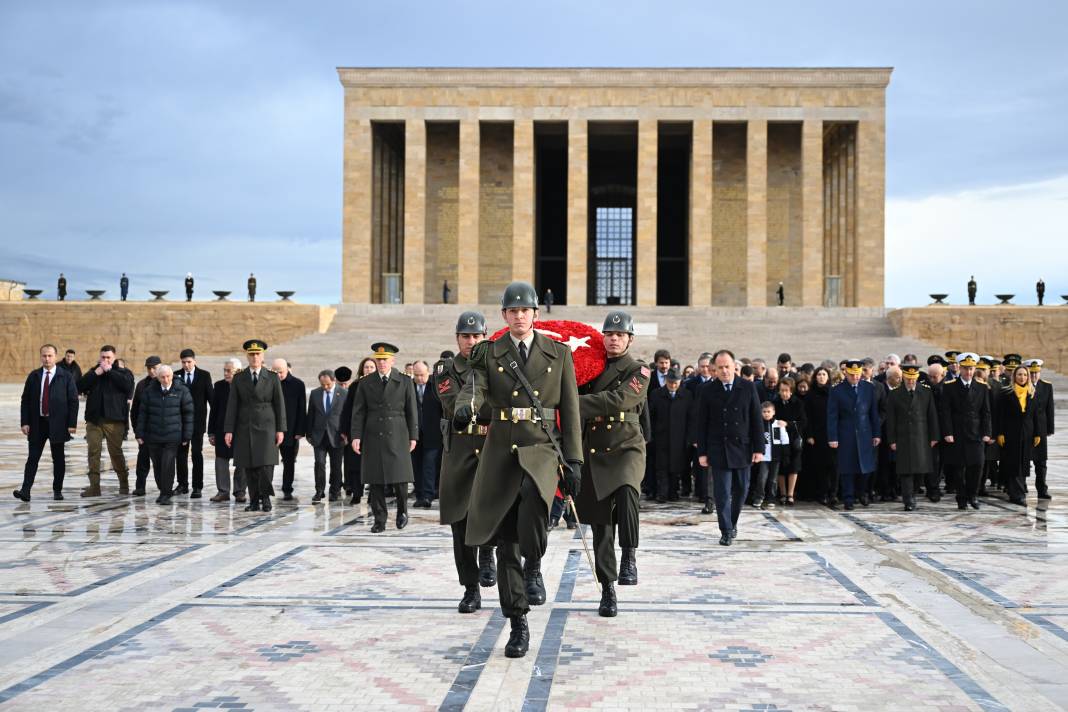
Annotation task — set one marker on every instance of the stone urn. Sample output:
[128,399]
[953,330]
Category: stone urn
[95,294]
[32,294]
[1005,298]
[159,294]
[222,294]
[938,298]
[285,295]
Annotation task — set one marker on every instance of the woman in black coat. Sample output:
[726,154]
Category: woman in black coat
[790,414]
[351,463]
[821,478]
[1017,427]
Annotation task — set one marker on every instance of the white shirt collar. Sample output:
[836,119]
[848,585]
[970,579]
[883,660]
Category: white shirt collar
[528,340]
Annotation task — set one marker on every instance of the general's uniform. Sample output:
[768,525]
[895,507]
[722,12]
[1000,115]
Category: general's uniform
[255,412]
[517,472]
[385,419]
[614,451]
[966,416]
[912,425]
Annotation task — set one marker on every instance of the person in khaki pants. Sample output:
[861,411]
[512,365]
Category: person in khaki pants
[108,387]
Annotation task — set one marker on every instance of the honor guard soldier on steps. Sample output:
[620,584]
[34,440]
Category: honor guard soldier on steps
[612,407]
[534,444]
[385,429]
[458,465]
[255,424]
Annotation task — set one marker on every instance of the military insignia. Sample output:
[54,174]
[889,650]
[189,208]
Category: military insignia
[444,386]
[441,367]
[470,321]
[616,319]
[635,385]
[646,373]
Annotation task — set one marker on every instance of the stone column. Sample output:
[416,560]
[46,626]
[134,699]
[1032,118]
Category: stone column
[701,214]
[811,213]
[468,198]
[414,211]
[756,251]
[871,209]
[356,213]
[645,249]
[523,200]
[577,210]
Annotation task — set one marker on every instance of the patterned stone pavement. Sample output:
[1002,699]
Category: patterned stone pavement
[115,603]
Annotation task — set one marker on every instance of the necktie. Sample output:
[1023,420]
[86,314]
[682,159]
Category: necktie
[727,387]
[46,393]
[165,392]
[327,407]
[421,393]
[385,380]
[188,378]
[523,352]
[255,378]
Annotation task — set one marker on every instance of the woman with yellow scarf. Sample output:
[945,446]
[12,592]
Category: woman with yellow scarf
[1017,427]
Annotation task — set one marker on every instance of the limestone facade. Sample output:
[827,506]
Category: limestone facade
[786,178]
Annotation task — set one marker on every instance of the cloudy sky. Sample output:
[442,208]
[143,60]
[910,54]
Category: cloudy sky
[161,137]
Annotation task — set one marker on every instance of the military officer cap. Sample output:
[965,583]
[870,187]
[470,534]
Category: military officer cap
[255,346]
[343,374]
[381,349]
[935,358]
[967,358]
[518,295]
[1034,365]
[994,361]
[618,321]
[672,375]
[152,361]
[471,322]
[854,365]
[1012,360]
[951,356]
[984,363]
[910,371]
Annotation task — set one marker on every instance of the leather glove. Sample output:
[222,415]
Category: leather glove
[1001,440]
[462,417]
[571,481]
[1038,439]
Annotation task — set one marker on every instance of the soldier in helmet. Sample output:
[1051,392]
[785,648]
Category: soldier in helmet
[462,448]
[612,407]
[528,382]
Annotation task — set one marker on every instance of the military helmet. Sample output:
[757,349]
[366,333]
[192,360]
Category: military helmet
[519,294]
[471,322]
[619,321]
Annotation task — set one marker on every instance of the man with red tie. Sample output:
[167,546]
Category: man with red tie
[49,413]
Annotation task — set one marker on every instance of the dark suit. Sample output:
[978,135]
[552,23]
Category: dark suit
[670,446]
[200,389]
[324,434]
[294,394]
[144,461]
[729,432]
[62,415]
[1044,406]
[426,458]
[696,474]
[966,416]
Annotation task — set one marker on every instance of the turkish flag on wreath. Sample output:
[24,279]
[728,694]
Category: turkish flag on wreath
[587,345]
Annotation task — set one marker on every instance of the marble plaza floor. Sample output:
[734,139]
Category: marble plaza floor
[115,603]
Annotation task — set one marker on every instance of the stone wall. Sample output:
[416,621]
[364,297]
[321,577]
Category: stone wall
[1033,332]
[784,212]
[140,329]
[495,208]
[442,208]
[729,201]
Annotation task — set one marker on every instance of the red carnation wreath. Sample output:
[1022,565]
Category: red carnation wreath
[587,345]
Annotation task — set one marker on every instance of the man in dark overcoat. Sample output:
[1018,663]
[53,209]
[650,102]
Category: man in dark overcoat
[912,429]
[966,427]
[670,409]
[385,429]
[48,413]
[1044,405]
[853,429]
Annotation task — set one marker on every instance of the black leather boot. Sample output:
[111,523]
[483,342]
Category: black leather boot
[266,506]
[628,569]
[487,567]
[518,639]
[253,505]
[608,608]
[534,584]
[471,601]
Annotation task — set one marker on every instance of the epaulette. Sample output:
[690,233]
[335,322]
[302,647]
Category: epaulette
[1045,381]
[924,385]
[951,380]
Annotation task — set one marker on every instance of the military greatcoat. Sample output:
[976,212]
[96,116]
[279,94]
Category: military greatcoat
[254,414]
[385,418]
[462,448]
[516,447]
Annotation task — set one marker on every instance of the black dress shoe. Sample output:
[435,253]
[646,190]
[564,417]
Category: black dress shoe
[962,506]
[287,497]
[518,639]
[181,489]
[58,496]
[609,608]
[195,494]
[421,504]
[849,506]
[864,501]
[355,500]
[402,520]
[378,527]
[334,496]
[24,497]
[1021,502]
[535,586]
[628,569]
[139,492]
[725,540]
[974,503]
[1044,495]
[318,497]
[164,500]
[266,504]
[471,601]
[253,506]
[708,508]
[487,568]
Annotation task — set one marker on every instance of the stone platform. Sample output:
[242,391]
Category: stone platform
[115,603]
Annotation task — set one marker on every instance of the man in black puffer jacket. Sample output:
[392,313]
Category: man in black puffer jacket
[164,422]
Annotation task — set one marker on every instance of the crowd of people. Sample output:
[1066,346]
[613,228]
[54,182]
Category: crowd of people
[503,436]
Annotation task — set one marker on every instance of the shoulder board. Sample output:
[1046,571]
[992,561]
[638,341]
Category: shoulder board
[951,380]
[1046,382]
[924,385]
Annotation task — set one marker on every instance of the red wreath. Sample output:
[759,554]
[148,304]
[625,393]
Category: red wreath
[587,345]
